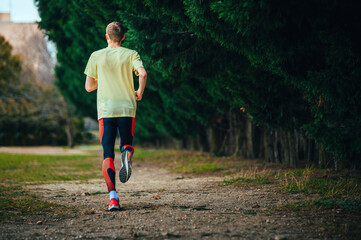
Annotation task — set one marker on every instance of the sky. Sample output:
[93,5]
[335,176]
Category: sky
[20,10]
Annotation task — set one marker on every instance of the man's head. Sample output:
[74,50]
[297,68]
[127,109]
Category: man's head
[115,32]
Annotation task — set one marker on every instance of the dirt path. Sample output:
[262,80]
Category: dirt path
[157,204]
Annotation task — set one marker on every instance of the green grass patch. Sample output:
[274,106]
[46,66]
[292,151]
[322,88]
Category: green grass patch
[19,169]
[16,202]
[181,161]
[329,184]
[250,212]
[27,168]
[157,155]
[252,176]
[200,168]
[327,189]
[336,204]
[239,181]
[344,204]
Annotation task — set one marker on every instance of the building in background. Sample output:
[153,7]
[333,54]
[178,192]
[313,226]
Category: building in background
[5,17]
[30,44]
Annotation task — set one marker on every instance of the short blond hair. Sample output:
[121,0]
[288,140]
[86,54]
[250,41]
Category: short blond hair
[116,31]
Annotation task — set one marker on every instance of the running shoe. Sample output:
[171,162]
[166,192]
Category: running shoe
[113,204]
[126,169]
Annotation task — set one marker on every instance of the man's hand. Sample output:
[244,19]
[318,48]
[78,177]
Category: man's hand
[142,82]
[138,95]
[91,84]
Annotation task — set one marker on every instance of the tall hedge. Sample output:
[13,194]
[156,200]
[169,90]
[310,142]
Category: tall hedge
[291,65]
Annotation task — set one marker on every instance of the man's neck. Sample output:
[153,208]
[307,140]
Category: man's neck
[114,44]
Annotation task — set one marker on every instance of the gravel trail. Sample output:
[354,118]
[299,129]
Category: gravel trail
[157,204]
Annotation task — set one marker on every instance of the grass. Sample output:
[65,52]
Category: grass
[186,162]
[14,201]
[27,168]
[19,169]
[330,189]
[240,180]
[326,188]
[251,176]
[200,168]
[344,204]
[327,184]
[156,154]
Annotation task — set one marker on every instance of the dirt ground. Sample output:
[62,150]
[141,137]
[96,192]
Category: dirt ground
[157,204]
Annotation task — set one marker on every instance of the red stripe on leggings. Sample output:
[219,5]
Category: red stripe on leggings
[108,164]
[101,129]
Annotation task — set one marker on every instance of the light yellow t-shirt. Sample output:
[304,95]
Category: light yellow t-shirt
[114,67]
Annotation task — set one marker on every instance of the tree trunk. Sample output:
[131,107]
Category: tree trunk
[258,142]
[213,139]
[284,147]
[292,152]
[276,147]
[337,163]
[268,145]
[237,136]
[204,143]
[310,151]
[321,157]
[249,138]
[190,143]
[69,132]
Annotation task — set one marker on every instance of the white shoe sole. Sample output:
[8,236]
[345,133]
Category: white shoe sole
[113,208]
[126,169]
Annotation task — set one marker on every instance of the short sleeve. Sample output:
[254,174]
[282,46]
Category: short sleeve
[91,67]
[136,62]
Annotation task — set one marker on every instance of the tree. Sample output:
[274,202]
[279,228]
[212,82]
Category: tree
[313,46]
[30,114]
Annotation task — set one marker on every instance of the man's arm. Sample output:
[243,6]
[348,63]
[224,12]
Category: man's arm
[91,84]
[142,82]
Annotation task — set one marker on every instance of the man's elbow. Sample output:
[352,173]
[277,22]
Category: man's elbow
[143,74]
[88,88]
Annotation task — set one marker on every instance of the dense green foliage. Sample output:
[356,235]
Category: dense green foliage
[313,46]
[291,65]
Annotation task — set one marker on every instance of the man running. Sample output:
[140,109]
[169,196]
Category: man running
[110,70]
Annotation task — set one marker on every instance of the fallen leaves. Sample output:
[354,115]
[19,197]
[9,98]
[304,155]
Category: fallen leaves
[156,197]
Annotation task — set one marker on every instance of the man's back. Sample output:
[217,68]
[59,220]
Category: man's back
[114,67]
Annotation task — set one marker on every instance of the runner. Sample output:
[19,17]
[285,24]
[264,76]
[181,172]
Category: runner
[110,70]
